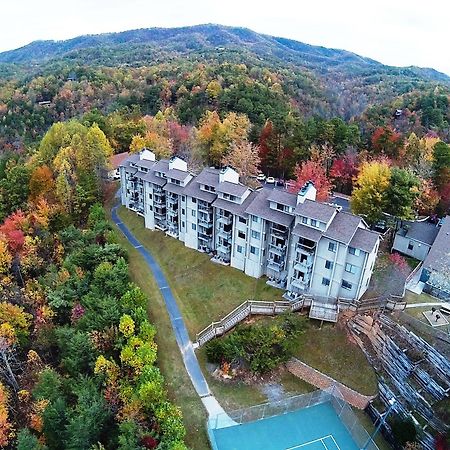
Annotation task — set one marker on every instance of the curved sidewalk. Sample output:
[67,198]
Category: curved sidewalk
[181,334]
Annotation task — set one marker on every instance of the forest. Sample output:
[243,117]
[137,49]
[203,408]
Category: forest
[79,366]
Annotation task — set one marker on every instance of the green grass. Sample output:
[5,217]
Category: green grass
[179,386]
[329,350]
[205,291]
[367,423]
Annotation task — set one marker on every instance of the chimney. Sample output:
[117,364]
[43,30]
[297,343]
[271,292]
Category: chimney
[308,191]
[228,174]
[146,154]
[177,163]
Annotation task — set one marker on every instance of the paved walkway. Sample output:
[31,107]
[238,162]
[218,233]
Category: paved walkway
[423,305]
[181,334]
[322,381]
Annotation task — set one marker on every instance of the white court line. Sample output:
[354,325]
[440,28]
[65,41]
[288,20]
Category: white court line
[321,440]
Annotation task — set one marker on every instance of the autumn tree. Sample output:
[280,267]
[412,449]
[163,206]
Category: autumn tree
[315,172]
[6,428]
[244,158]
[344,170]
[368,196]
[427,199]
[386,141]
[401,193]
[14,188]
[42,184]
[441,163]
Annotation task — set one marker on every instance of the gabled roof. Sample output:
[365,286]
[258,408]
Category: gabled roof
[174,188]
[283,197]
[161,166]
[177,174]
[364,240]
[343,227]
[315,210]
[260,207]
[152,178]
[193,190]
[237,190]
[420,231]
[131,159]
[235,208]
[208,176]
[438,258]
[307,232]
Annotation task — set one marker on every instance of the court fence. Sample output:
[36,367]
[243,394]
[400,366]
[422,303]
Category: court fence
[331,395]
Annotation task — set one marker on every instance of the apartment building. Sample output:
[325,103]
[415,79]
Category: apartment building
[301,245]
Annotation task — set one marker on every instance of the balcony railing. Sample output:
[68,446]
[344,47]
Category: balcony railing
[225,234]
[204,207]
[226,220]
[275,265]
[303,264]
[279,250]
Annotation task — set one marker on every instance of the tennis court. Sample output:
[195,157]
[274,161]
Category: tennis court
[316,427]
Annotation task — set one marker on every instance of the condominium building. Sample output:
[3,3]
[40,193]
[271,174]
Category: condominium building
[301,245]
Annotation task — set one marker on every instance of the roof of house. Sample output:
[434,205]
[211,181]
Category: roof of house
[315,210]
[161,166]
[152,178]
[260,207]
[116,160]
[235,208]
[177,174]
[425,232]
[364,240]
[174,188]
[283,197]
[438,257]
[208,176]
[307,232]
[343,227]
[193,190]
[237,190]
[131,159]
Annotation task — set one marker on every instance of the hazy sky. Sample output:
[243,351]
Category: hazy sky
[395,32]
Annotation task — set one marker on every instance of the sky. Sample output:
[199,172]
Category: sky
[394,32]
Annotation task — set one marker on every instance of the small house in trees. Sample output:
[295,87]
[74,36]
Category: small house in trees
[415,239]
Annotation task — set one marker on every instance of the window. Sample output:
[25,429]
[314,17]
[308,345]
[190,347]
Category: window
[304,220]
[182,224]
[241,234]
[256,234]
[194,227]
[150,196]
[346,285]
[183,198]
[254,250]
[150,208]
[326,281]
[328,264]
[350,268]
[410,245]
[194,200]
[183,211]
[194,213]
[255,219]
[242,220]
[332,246]
[354,251]
[239,249]
[313,222]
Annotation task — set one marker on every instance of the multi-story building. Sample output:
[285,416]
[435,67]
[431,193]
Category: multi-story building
[301,245]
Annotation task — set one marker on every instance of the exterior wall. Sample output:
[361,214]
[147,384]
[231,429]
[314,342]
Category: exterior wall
[420,250]
[254,264]
[149,217]
[238,259]
[190,237]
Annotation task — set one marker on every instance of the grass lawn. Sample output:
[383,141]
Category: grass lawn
[179,386]
[367,423]
[205,291]
[329,351]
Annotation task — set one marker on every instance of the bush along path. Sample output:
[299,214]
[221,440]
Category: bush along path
[181,334]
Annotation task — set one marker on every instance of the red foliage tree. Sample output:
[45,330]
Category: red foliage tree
[344,170]
[313,171]
[385,140]
[12,229]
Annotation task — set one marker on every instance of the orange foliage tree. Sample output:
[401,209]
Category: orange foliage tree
[315,172]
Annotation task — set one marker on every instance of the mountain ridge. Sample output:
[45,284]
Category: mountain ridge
[184,40]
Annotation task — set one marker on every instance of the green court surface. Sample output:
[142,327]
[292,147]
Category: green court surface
[314,428]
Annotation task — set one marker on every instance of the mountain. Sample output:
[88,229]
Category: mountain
[194,40]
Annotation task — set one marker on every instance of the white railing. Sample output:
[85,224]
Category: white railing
[244,310]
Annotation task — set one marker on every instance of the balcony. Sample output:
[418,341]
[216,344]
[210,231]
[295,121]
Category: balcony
[172,212]
[279,250]
[224,234]
[160,212]
[275,265]
[205,220]
[225,220]
[306,245]
[206,207]
[278,231]
[224,249]
[299,285]
[303,264]
[172,199]
[159,199]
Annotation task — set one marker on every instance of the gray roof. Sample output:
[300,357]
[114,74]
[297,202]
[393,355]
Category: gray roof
[161,166]
[438,257]
[260,207]
[132,158]
[208,176]
[145,163]
[425,232]
[315,210]
[193,190]
[174,188]
[152,178]
[307,232]
[343,227]
[365,240]
[177,174]
[235,208]
[237,190]
[283,197]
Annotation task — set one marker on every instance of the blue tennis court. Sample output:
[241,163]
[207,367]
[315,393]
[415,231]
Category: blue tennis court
[314,428]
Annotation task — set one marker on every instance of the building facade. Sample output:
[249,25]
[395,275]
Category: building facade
[301,245]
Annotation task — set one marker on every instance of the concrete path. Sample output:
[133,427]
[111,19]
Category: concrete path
[322,381]
[181,334]
[424,305]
